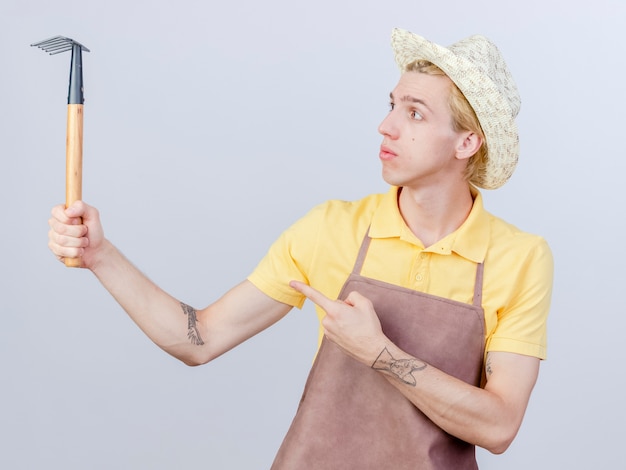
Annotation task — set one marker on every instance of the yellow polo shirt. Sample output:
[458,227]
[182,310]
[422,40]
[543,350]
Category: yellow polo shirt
[321,248]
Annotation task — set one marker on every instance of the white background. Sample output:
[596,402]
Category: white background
[209,128]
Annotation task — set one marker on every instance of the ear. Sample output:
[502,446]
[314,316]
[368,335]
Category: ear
[469,144]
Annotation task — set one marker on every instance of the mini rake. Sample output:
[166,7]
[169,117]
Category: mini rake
[74,140]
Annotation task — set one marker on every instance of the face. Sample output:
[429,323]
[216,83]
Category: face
[420,147]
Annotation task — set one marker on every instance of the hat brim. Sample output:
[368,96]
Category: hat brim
[491,107]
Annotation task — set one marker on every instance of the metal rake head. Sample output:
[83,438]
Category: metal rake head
[58,44]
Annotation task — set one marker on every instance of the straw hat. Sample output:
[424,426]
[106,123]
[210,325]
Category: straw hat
[476,66]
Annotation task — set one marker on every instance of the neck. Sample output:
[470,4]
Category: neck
[433,214]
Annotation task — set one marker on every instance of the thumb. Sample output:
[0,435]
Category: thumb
[81,209]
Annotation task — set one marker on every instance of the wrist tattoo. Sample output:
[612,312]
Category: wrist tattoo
[401,368]
[192,328]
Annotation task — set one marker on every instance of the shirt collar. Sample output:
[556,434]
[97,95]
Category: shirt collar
[470,240]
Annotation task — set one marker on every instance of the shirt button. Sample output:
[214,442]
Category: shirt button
[419,277]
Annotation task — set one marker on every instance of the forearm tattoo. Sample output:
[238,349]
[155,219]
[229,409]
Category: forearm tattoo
[192,328]
[401,368]
[488,369]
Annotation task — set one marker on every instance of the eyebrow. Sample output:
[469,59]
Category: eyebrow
[411,99]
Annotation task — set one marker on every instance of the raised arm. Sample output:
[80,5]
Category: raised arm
[193,336]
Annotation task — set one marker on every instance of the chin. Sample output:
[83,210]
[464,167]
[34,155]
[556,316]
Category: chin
[389,179]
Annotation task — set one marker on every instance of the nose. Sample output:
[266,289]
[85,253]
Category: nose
[387,127]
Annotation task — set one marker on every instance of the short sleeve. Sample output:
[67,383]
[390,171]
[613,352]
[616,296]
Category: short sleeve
[522,322]
[289,258]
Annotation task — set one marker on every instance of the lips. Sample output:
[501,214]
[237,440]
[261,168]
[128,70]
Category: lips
[386,153]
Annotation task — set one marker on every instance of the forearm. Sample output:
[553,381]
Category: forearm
[479,416]
[170,324]
[488,417]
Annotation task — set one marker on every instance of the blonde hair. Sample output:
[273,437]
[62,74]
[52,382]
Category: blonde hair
[463,117]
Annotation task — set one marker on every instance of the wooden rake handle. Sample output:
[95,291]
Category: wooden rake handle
[74,163]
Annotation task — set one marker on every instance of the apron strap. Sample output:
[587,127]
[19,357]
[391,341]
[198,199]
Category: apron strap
[365,244]
[478,285]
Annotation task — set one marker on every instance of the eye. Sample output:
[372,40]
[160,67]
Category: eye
[416,115]
[391,106]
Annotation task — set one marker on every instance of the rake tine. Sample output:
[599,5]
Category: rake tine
[53,40]
[62,47]
[45,41]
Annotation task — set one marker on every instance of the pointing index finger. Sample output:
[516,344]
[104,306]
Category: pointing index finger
[312,294]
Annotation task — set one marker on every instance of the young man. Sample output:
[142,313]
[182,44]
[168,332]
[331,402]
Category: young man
[432,311]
